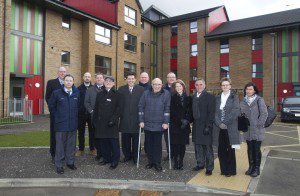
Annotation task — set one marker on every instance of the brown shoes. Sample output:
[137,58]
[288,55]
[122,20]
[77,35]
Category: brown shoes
[93,152]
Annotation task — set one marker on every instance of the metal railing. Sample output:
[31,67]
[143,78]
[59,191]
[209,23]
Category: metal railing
[15,111]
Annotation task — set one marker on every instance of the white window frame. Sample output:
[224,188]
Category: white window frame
[130,15]
[193,27]
[102,34]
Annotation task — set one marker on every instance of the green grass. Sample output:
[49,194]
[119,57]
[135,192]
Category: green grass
[28,139]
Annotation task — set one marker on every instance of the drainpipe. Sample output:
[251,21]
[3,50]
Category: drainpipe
[117,60]
[3,55]
[205,53]
[273,35]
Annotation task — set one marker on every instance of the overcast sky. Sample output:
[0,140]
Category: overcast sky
[236,9]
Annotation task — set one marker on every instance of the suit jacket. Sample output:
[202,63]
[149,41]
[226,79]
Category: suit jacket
[52,85]
[82,91]
[204,116]
[130,115]
[90,98]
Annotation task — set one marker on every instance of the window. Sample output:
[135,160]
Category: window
[130,42]
[174,29]
[66,22]
[193,75]
[194,50]
[174,53]
[102,34]
[224,46]
[129,68]
[142,24]
[257,42]
[193,27]
[142,47]
[130,15]
[224,72]
[257,70]
[65,57]
[103,65]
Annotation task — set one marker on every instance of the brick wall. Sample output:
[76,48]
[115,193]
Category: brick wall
[146,39]
[166,51]
[213,64]
[201,47]
[183,52]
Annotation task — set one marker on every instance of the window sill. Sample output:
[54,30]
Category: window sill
[102,43]
[65,28]
[130,24]
[134,52]
[65,64]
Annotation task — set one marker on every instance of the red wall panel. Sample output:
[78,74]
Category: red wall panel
[216,18]
[224,59]
[258,82]
[102,9]
[173,63]
[193,38]
[192,86]
[257,56]
[173,41]
[34,93]
[193,62]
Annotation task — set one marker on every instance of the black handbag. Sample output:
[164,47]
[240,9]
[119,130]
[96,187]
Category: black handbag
[243,123]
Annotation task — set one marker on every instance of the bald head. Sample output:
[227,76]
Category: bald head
[62,72]
[144,78]
[87,77]
[156,85]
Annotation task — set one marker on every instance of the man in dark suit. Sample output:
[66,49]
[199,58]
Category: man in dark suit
[129,124]
[203,114]
[53,85]
[89,103]
[84,117]
[144,81]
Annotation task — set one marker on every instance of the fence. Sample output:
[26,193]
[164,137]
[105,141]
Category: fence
[15,111]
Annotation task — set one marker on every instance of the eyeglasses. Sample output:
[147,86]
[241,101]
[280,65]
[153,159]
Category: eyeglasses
[225,85]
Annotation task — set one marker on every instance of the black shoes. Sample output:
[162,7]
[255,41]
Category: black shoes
[250,170]
[102,162]
[59,170]
[255,172]
[208,173]
[149,166]
[53,160]
[158,168]
[113,166]
[126,159]
[72,167]
[198,168]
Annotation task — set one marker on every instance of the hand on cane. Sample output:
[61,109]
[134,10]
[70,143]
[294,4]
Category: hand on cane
[165,126]
[142,125]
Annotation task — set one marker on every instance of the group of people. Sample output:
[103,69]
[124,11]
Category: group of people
[154,108]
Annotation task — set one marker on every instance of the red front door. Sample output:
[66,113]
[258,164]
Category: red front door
[33,87]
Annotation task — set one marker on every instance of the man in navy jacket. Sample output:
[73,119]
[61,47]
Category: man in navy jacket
[64,105]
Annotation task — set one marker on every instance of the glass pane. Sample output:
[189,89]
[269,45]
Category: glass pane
[132,14]
[129,20]
[65,25]
[194,53]
[107,33]
[65,57]
[194,48]
[126,11]
[193,24]
[194,30]
[226,50]
[102,39]
[99,30]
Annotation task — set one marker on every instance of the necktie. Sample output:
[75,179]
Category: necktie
[130,89]
[69,92]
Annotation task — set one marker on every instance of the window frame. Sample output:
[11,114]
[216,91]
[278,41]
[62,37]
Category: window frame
[130,44]
[174,55]
[104,34]
[66,20]
[192,29]
[129,69]
[173,32]
[224,48]
[102,67]
[254,73]
[227,71]
[68,62]
[256,42]
[128,17]
[193,74]
[192,52]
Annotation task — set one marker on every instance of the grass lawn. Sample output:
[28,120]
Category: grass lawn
[28,139]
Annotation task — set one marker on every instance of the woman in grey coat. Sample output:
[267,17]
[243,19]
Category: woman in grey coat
[255,109]
[226,132]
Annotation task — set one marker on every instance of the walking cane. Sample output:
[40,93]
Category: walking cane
[170,163]
[139,149]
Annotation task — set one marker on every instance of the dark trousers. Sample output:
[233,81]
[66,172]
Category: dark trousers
[130,144]
[82,120]
[254,152]
[226,154]
[65,148]
[110,149]
[98,147]
[204,156]
[178,152]
[154,146]
[52,136]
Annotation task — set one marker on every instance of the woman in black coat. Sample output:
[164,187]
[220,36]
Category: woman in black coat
[180,117]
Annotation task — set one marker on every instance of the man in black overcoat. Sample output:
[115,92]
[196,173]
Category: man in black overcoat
[106,116]
[129,121]
[203,114]
[53,85]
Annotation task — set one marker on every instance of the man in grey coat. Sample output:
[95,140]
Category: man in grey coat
[129,121]
[89,103]
[154,117]
[204,115]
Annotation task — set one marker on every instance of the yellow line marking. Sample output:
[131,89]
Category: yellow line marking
[284,136]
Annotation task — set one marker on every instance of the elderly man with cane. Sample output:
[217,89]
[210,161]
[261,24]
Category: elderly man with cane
[154,116]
